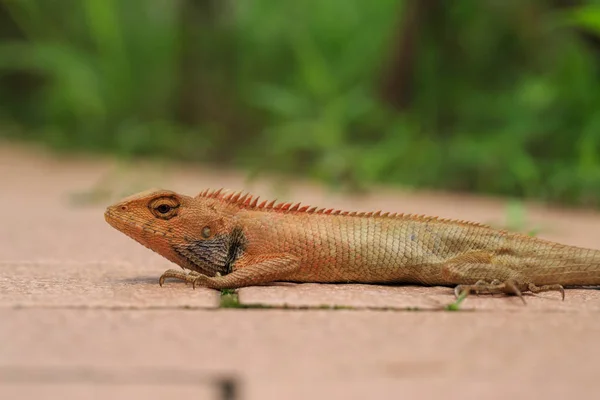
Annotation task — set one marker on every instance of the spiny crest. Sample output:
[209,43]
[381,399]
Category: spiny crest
[247,201]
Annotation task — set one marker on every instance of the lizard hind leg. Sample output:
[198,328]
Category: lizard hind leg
[489,278]
[508,287]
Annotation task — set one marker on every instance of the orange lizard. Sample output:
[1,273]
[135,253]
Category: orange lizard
[231,240]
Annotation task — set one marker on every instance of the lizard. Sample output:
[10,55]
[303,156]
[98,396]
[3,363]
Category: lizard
[229,240]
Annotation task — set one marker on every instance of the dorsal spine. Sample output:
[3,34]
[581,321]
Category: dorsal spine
[249,202]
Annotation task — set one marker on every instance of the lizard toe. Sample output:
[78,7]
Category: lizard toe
[547,288]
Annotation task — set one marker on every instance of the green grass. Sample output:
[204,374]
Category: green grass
[229,299]
[455,306]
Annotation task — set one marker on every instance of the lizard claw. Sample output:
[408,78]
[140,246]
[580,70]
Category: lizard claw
[547,288]
[458,291]
[171,273]
[511,286]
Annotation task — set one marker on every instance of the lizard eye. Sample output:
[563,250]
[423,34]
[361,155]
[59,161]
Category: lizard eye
[206,232]
[164,207]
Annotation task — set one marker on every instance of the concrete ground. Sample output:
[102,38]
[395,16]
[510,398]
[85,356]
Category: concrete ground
[82,315]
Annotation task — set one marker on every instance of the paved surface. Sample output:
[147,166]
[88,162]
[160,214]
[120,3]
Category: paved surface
[83,317]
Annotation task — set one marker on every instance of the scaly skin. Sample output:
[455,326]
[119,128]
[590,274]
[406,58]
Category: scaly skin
[232,240]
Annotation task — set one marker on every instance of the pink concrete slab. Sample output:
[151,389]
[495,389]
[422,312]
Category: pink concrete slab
[315,354]
[76,295]
[76,391]
[410,297]
[359,389]
[94,284]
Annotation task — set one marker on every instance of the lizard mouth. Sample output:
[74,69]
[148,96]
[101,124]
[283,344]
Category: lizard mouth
[113,221]
[186,257]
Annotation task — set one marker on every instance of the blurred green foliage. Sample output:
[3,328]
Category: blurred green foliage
[502,97]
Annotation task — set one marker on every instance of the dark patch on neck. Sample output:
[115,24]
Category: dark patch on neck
[215,255]
[237,246]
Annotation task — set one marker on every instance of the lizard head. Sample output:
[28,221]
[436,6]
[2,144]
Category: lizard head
[195,233]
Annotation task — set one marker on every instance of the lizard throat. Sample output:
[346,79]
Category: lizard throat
[213,256]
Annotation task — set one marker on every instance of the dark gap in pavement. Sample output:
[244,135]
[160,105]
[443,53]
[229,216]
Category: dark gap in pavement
[227,385]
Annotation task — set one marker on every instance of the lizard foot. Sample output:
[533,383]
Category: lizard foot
[188,277]
[495,286]
[510,287]
[547,288]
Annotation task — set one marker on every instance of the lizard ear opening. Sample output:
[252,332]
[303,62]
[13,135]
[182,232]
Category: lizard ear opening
[206,232]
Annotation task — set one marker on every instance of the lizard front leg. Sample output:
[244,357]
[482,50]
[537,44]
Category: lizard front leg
[256,271]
